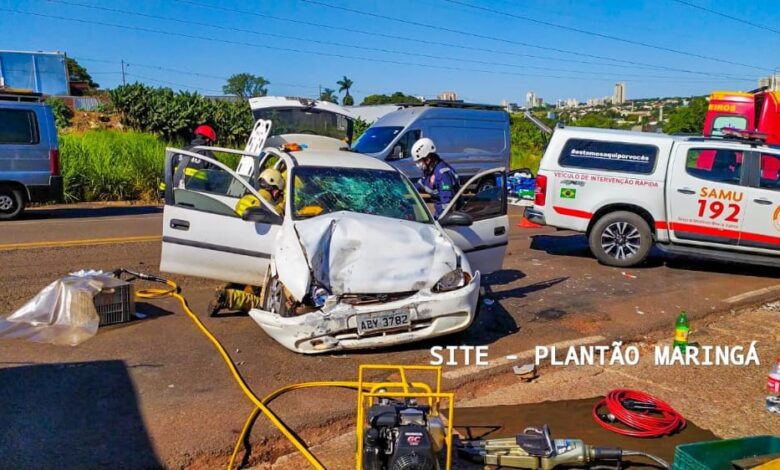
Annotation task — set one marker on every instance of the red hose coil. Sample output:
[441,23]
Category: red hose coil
[664,421]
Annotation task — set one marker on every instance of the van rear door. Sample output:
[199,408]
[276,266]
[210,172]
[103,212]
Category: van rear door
[25,136]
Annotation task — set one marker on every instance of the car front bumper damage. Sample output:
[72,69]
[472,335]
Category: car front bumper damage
[335,328]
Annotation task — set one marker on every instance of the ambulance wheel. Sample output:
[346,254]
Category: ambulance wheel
[620,239]
[275,298]
[11,203]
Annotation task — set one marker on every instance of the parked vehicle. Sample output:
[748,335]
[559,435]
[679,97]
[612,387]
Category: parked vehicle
[355,260]
[627,191]
[758,110]
[471,138]
[29,153]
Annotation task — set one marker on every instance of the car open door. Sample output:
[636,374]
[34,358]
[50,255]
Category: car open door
[477,221]
[203,235]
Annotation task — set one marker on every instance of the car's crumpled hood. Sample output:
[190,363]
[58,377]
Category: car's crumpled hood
[367,254]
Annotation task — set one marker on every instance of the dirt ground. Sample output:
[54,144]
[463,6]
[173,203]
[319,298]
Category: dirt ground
[722,401]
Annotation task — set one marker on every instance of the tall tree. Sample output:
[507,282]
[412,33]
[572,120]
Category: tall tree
[396,98]
[246,85]
[344,85]
[77,73]
[687,119]
[329,94]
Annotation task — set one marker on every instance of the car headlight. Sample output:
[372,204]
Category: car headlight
[452,280]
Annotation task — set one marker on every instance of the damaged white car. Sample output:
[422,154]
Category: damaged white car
[355,260]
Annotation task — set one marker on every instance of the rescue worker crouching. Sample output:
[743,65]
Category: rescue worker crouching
[439,180]
[195,175]
[271,188]
[244,297]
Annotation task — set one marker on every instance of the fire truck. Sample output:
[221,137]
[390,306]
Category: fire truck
[755,111]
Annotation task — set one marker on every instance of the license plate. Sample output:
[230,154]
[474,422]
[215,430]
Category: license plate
[379,321]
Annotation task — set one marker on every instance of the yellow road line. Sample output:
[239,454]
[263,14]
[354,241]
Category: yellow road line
[67,243]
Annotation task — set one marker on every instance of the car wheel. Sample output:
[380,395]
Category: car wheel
[621,239]
[275,299]
[11,203]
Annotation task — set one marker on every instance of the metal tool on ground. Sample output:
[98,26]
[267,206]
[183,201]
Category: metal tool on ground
[399,425]
[536,449]
[639,414]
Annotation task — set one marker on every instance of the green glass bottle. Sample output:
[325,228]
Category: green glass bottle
[681,329]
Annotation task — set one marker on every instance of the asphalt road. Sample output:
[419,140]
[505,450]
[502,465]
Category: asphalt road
[153,392]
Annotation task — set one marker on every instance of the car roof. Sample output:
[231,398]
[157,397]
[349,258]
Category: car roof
[599,134]
[405,116]
[339,159]
[270,102]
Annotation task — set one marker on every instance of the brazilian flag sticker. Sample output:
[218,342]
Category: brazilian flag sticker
[568,193]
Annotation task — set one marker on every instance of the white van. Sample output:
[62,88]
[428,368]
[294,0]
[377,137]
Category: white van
[472,138]
[627,191]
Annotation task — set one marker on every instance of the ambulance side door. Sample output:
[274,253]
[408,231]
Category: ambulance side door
[761,230]
[482,201]
[706,194]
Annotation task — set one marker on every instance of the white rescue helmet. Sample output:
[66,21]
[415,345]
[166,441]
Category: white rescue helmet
[272,178]
[423,148]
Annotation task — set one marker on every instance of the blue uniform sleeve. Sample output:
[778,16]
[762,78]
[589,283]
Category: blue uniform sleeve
[447,186]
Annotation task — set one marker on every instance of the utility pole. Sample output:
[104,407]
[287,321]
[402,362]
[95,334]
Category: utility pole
[124,81]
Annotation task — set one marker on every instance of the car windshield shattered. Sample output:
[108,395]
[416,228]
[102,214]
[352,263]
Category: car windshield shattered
[322,190]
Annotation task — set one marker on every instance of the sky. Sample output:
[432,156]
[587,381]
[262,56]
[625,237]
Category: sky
[484,50]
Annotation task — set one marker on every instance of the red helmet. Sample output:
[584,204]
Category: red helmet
[206,131]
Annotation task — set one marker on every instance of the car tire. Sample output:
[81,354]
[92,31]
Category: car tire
[11,203]
[621,239]
[275,297]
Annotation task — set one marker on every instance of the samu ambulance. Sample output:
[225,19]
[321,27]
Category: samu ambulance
[628,191]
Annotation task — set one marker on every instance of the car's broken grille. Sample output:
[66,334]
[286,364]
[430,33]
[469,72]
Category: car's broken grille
[367,299]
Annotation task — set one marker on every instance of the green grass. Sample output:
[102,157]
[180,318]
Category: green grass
[111,165]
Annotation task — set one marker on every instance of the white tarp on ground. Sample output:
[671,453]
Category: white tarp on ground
[62,313]
[361,253]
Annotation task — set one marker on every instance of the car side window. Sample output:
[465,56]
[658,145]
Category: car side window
[715,164]
[620,157]
[488,199]
[770,171]
[407,141]
[202,186]
[18,127]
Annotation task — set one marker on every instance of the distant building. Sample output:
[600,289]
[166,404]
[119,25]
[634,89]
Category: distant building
[772,82]
[42,72]
[572,103]
[619,96]
[530,99]
[510,107]
[448,96]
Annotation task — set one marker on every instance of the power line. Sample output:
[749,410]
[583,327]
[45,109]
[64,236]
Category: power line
[600,35]
[216,77]
[437,43]
[339,44]
[300,51]
[725,15]
[165,82]
[455,31]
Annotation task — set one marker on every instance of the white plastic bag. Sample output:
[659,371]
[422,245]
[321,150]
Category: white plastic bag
[63,313]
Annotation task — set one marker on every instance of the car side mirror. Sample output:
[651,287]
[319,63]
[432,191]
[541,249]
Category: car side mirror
[397,153]
[261,215]
[456,219]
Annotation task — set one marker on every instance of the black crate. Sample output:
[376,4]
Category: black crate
[115,303]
